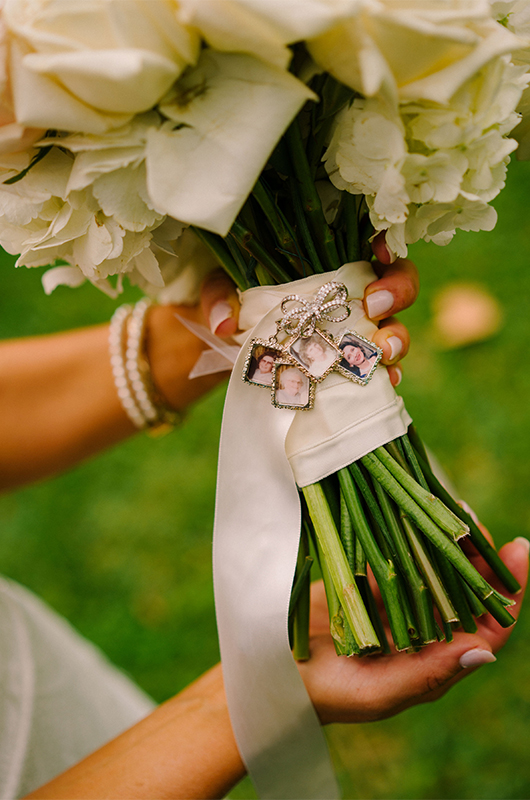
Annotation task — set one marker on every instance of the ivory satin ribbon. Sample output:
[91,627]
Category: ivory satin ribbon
[264,453]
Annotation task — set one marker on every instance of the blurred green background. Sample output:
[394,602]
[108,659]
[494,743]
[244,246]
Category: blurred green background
[121,545]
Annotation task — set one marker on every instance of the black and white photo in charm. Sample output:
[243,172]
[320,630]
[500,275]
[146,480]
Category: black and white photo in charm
[316,355]
[360,357]
[259,364]
[291,387]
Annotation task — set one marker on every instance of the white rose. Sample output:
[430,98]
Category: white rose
[13,137]
[263,28]
[410,49]
[91,66]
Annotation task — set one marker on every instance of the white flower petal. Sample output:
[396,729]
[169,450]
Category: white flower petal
[233,113]
[62,276]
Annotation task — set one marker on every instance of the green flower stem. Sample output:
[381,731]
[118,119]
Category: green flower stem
[482,589]
[347,535]
[429,573]
[303,227]
[421,596]
[371,606]
[488,553]
[349,213]
[282,230]
[237,255]
[361,567]
[218,247]
[383,570]
[477,608]
[431,504]
[343,639]
[343,580]
[312,206]
[248,242]
[375,511]
[300,600]
[451,581]
[412,462]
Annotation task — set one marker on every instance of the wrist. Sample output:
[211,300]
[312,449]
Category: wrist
[172,351]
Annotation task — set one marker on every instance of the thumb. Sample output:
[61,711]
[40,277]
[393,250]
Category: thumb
[220,303]
[436,668]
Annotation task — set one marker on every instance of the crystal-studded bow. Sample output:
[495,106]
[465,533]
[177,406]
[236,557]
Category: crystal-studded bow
[302,319]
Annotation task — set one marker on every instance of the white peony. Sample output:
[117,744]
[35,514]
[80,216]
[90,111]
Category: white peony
[424,166]
[90,65]
[515,15]
[45,221]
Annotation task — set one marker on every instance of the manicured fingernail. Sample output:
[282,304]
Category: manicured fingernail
[220,312]
[392,256]
[379,302]
[398,375]
[525,543]
[396,346]
[476,657]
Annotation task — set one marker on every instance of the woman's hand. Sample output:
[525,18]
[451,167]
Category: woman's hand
[375,687]
[395,290]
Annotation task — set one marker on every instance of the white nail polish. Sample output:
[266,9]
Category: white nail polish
[399,376]
[392,256]
[396,346]
[219,313]
[379,303]
[476,657]
[522,540]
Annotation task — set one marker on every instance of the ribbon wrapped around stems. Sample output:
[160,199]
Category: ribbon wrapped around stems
[266,453]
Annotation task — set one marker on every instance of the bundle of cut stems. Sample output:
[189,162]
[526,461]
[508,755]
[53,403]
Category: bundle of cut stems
[387,510]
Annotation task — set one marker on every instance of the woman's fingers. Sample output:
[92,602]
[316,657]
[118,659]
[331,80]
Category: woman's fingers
[220,304]
[394,340]
[395,290]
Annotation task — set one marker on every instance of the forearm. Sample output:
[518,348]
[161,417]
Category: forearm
[58,401]
[184,749]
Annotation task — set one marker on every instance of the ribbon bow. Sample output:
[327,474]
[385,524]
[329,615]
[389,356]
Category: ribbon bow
[302,320]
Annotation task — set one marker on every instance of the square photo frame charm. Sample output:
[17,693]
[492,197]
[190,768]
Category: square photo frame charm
[259,364]
[292,388]
[359,359]
[316,355]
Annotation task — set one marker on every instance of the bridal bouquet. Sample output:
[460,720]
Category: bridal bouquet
[153,139]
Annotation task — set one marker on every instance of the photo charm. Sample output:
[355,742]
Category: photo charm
[292,388]
[317,355]
[259,364]
[359,359]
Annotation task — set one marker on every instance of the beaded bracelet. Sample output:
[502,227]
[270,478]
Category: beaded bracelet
[132,374]
[159,418]
[116,345]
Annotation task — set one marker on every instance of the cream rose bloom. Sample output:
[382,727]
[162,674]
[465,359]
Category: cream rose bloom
[90,65]
[263,28]
[13,137]
[407,50]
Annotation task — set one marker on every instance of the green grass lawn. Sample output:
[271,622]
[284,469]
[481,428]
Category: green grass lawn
[121,545]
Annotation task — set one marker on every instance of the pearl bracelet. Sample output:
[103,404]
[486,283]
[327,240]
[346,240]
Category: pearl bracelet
[132,374]
[116,344]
